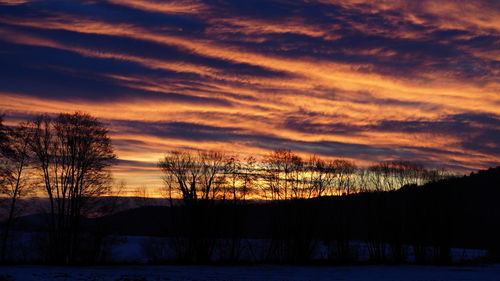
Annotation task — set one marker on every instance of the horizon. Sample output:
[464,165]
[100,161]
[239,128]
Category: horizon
[361,81]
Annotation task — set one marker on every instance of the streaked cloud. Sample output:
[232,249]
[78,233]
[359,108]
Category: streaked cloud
[362,80]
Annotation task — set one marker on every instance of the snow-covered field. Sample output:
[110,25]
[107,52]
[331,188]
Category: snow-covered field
[145,249]
[138,249]
[258,272]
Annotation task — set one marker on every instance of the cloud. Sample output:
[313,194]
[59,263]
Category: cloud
[358,79]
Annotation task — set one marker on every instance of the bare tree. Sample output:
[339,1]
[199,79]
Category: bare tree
[380,178]
[342,174]
[17,160]
[319,176]
[240,183]
[195,176]
[5,150]
[243,178]
[215,167]
[284,176]
[200,180]
[73,152]
[288,181]
[344,171]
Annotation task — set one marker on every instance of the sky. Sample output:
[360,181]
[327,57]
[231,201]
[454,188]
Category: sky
[360,80]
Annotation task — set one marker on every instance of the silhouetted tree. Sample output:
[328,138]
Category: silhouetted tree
[240,183]
[72,153]
[288,182]
[195,177]
[345,172]
[279,167]
[199,180]
[15,167]
[344,175]
[320,176]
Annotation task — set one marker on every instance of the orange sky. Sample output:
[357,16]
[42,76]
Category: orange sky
[402,80]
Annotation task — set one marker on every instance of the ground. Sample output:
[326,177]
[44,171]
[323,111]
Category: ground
[258,272]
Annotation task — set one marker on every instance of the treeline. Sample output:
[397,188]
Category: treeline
[295,205]
[215,188]
[422,221]
[282,175]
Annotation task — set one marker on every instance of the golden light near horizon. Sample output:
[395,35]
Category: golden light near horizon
[364,81]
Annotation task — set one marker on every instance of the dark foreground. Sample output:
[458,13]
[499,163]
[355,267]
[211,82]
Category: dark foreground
[259,272]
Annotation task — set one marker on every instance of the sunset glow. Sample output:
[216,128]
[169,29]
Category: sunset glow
[397,80]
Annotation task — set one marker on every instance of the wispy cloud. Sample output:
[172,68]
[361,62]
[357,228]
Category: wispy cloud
[359,79]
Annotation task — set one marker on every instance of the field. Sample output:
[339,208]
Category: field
[258,272]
